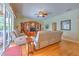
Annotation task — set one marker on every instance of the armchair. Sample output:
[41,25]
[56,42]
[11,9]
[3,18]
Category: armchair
[18,38]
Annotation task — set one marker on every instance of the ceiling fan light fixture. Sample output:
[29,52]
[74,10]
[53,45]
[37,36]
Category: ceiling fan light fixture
[42,13]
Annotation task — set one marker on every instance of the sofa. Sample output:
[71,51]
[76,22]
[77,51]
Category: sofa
[45,38]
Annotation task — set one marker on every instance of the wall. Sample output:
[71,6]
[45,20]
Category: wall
[73,16]
[78,27]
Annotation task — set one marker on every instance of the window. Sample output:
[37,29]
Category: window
[66,25]
[1,34]
[6,26]
[1,28]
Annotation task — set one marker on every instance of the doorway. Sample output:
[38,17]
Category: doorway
[54,26]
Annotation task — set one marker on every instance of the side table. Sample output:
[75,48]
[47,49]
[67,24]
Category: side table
[29,46]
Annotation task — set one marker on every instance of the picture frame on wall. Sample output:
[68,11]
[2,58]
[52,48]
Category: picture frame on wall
[66,25]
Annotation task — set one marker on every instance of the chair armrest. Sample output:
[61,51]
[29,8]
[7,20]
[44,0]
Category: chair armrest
[20,40]
[21,34]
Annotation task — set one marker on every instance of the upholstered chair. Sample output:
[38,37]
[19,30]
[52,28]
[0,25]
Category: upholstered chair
[17,38]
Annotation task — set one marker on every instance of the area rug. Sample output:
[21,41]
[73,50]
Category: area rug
[13,51]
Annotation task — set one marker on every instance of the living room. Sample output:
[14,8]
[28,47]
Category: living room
[48,21]
[50,29]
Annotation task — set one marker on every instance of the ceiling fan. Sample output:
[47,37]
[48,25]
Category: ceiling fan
[42,13]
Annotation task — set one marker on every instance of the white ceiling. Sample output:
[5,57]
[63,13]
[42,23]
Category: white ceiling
[30,9]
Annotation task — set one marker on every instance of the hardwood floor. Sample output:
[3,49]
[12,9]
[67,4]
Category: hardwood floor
[63,48]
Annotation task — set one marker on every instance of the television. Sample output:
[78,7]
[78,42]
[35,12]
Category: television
[32,29]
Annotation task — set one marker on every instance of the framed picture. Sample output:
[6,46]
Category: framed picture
[66,25]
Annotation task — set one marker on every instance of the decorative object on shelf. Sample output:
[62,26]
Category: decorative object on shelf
[47,26]
[66,25]
[42,13]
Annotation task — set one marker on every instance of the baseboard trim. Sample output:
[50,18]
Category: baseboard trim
[71,41]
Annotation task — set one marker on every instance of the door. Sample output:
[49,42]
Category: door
[54,26]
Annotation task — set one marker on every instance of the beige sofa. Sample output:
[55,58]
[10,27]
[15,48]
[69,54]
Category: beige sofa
[45,38]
